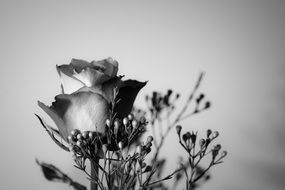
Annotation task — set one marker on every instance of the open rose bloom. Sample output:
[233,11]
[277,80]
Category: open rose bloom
[89,91]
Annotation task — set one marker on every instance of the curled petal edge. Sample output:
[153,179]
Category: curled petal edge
[51,131]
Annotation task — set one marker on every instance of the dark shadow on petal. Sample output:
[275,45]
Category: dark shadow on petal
[61,104]
[126,97]
[79,64]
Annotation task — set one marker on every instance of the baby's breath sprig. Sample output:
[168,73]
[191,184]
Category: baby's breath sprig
[196,153]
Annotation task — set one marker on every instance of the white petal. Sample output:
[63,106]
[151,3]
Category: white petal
[91,77]
[69,83]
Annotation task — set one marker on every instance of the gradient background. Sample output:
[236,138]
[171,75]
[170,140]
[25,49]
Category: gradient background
[240,45]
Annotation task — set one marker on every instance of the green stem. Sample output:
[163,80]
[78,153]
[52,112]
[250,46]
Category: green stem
[94,173]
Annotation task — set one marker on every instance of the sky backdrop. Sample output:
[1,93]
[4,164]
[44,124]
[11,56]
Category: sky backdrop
[239,44]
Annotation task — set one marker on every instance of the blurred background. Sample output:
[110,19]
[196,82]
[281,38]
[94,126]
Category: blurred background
[239,44]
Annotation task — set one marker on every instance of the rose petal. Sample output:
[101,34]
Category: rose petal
[69,83]
[91,77]
[79,64]
[88,111]
[126,97]
[110,66]
[56,118]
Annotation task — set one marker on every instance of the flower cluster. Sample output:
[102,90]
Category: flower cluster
[91,93]
[93,117]
[196,153]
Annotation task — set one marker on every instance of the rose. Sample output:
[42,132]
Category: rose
[88,90]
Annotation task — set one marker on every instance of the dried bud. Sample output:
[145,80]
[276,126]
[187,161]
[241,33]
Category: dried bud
[125,121]
[130,117]
[178,129]
[209,132]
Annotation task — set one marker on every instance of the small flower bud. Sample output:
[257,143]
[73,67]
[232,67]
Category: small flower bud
[193,137]
[184,137]
[74,132]
[148,145]
[108,122]
[134,124]
[143,120]
[130,117]
[70,139]
[91,135]
[116,127]
[70,148]
[207,105]
[218,147]
[143,165]
[215,153]
[178,129]
[224,154]
[125,121]
[78,143]
[202,142]
[149,139]
[148,168]
[85,134]
[215,134]
[79,137]
[209,132]
[120,145]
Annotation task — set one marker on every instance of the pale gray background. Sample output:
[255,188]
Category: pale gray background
[240,45]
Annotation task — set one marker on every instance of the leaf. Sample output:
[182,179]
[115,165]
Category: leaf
[51,132]
[52,173]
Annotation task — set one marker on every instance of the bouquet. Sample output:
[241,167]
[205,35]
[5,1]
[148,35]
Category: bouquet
[96,121]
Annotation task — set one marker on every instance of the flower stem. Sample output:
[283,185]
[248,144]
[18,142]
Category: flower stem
[94,173]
